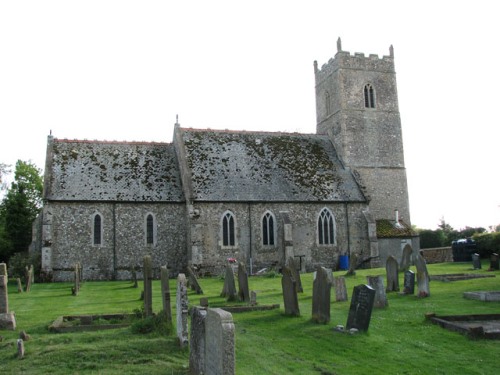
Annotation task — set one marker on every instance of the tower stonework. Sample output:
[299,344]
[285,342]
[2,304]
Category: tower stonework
[357,106]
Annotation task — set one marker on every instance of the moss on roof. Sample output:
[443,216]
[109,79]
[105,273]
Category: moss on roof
[388,229]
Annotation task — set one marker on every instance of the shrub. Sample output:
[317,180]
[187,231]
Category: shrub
[487,243]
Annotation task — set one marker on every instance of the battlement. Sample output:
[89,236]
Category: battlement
[358,60]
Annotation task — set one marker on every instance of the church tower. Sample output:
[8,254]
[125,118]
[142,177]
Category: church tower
[357,106]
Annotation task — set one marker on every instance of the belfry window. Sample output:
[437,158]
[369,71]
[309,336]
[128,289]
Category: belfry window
[228,229]
[97,229]
[326,228]
[149,229]
[268,229]
[369,96]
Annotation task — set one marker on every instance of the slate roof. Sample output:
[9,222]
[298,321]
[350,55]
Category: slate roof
[112,171]
[264,166]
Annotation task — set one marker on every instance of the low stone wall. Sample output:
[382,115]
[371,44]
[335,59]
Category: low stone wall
[437,255]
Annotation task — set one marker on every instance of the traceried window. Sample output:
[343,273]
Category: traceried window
[150,229]
[326,228]
[369,96]
[228,229]
[97,230]
[268,232]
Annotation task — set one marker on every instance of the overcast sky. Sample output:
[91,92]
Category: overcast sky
[123,70]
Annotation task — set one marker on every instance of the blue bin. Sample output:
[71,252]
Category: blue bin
[344,262]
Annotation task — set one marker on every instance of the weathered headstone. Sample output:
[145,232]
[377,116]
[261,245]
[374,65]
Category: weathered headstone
[19,285]
[253,298]
[360,311]
[7,319]
[29,277]
[406,258]
[148,289]
[165,293]
[133,275]
[409,282]
[340,289]
[243,291]
[423,278]
[197,340]
[290,263]
[322,286]
[193,281]
[392,274]
[20,349]
[182,310]
[289,288]
[476,261]
[76,287]
[494,263]
[377,283]
[229,289]
[353,262]
[219,343]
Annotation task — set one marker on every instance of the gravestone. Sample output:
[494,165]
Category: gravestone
[377,283]
[494,266]
[423,278]
[148,290]
[406,258]
[7,319]
[229,289]
[76,287]
[165,293]
[340,289]
[197,340]
[360,311]
[353,262]
[182,310]
[29,277]
[19,285]
[193,281]
[409,282]
[476,261]
[290,263]
[243,291]
[133,275]
[204,302]
[289,288]
[219,343]
[392,274]
[321,296]
[253,298]
[20,349]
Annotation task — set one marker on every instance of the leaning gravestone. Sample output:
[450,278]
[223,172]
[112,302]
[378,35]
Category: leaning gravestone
[197,340]
[360,311]
[7,319]
[321,296]
[406,258]
[476,261]
[148,289]
[494,264]
[290,263]
[182,310]
[243,291]
[229,289]
[290,299]
[392,274]
[377,283]
[219,343]
[409,282]
[193,281]
[423,278]
[340,289]
[165,293]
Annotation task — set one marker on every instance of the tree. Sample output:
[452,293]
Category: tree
[19,208]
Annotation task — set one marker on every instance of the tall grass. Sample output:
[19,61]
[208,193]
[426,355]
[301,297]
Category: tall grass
[399,340]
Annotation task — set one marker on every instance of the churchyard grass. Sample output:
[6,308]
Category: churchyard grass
[399,339]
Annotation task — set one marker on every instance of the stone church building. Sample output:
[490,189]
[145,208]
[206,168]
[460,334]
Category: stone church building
[257,197]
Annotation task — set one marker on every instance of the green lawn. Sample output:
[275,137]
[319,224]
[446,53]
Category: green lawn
[399,340]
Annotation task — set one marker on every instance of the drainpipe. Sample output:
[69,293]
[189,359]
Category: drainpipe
[348,230]
[250,235]
[114,241]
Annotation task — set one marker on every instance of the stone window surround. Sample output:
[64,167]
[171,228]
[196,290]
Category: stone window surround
[321,217]
[153,235]
[369,96]
[93,226]
[270,215]
[228,214]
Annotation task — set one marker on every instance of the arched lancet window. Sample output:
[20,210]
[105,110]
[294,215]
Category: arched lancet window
[97,229]
[326,228]
[228,229]
[327,103]
[369,96]
[149,229]
[268,232]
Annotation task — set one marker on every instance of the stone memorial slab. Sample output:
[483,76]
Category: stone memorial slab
[340,289]
[406,258]
[193,281]
[321,296]
[290,263]
[409,282]
[377,283]
[289,288]
[476,261]
[392,274]
[197,340]
[148,289]
[360,311]
[423,278]
[165,293]
[182,310]
[494,263]
[219,343]
[229,289]
[243,291]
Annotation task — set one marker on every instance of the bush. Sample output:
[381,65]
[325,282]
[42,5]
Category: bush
[487,243]
[19,261]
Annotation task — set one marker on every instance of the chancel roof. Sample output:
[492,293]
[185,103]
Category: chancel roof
[262,166]
[112,171]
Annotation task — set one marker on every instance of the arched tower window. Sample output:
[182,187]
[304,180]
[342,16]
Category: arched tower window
[150,237]
[326,228]
[327,103]
[97,230]
[228,229]
[268,229]
[369,96]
